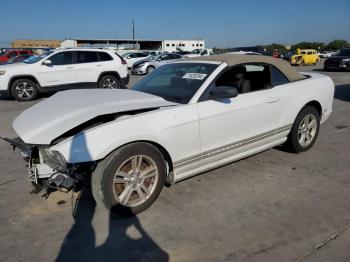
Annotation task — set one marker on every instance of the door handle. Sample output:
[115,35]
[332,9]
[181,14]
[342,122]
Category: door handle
[69,67]
[98,65]
[272,100]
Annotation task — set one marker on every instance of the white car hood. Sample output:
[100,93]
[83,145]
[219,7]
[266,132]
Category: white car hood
[15,66]
[47,120]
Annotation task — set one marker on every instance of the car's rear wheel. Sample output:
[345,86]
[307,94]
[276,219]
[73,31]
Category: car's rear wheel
[305,130]
[130,179]
[24,89]
[150,69]
[110,82]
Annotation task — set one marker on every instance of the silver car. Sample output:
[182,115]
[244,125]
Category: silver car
[148,65]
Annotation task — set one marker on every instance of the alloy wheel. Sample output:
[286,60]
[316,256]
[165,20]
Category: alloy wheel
[110,83]
[135,180]
[307,130]
[24,90]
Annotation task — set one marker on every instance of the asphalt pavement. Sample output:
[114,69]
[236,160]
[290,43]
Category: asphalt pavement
[274,206]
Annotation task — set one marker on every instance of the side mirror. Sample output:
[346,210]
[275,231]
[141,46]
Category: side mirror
[220,92]
[47,62]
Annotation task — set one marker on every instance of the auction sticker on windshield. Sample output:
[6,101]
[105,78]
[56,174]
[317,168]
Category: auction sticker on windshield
[196,76]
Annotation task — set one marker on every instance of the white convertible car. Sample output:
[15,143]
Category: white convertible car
[181,120]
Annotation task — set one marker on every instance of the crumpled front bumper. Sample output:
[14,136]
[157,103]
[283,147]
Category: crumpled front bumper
[38,164]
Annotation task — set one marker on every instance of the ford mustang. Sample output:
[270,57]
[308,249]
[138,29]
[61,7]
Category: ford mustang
[184,118]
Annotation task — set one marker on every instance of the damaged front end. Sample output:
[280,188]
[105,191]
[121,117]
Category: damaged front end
[49,170]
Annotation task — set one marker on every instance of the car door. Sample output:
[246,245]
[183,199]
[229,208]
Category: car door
[61,71]
[232,126]
[88,67]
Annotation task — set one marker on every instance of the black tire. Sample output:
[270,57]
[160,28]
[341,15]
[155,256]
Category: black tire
[149,69]
[110,81]
[293,138]
[102,179]
[24,89]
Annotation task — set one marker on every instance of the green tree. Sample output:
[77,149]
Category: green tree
[278,47]
[309,45]
[336,44]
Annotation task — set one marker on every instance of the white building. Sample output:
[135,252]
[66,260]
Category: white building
[183,45]
[136,44]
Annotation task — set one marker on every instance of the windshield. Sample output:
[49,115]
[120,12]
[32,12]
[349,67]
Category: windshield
[343,52]
[196,51]
[125,55]
[153,57]
[35,58]
[176,82]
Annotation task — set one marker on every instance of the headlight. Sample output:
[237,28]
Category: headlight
[346,60]
[2,72]
[54,159]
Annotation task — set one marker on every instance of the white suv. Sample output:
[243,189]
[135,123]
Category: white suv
[64,69]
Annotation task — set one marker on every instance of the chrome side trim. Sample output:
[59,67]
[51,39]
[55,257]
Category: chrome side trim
[230,147]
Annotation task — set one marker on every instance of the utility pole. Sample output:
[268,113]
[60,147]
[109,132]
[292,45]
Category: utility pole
[133,32]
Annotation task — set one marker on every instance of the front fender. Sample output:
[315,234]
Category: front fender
[176,130]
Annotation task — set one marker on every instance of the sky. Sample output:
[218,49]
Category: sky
[222,23]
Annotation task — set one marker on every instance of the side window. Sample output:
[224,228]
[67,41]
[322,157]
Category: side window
[277,78]
[103,56]
[142,55]
[246,78]
[174,56]
[165,57]
[22,52]
[86,57]
[309,52]
[12,54]
[133,55]
[63,58]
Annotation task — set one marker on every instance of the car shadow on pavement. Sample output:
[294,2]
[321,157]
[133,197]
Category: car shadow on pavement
[342,92]
[79,243]
[4,96]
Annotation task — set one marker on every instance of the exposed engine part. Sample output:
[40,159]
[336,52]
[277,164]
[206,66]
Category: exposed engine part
[62,180]
[58,181]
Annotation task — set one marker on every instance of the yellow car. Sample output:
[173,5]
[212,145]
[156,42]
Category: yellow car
[305,57]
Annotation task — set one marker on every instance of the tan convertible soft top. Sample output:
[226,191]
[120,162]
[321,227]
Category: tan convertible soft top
[235,59]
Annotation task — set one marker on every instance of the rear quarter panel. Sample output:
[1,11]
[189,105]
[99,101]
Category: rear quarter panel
[295,95]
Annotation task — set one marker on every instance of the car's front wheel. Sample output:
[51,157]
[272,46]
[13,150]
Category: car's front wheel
[24,89]
[130,179]
[305,130]
[110,81]
[150,69]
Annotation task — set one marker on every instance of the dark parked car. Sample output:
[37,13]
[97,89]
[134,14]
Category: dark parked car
[182,52]
[338,61]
